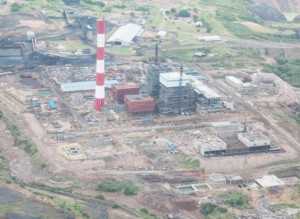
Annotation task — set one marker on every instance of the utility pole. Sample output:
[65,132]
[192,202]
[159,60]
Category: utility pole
[180,89]
[156,53]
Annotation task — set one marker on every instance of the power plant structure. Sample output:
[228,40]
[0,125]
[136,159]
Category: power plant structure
[100,65]
[176,95]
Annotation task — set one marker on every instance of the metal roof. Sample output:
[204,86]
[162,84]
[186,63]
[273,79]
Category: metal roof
[206,91]
[126,34]
[85,85]
[269,181]
[172,79]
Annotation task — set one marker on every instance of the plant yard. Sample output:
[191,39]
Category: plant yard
[181,109]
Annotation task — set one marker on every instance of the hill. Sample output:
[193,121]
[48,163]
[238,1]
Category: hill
[282,5]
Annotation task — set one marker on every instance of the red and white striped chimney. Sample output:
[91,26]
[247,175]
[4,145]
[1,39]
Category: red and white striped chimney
[100,68]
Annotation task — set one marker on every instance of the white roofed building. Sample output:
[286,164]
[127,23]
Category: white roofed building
[126,34]
[269,181]
[207,98]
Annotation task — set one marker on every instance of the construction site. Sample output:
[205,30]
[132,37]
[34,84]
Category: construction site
[182,131]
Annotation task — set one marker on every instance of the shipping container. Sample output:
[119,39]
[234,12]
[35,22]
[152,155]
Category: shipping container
[139,104]
[121,90]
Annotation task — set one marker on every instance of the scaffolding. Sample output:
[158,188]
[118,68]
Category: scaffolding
[152,84]
[178,98]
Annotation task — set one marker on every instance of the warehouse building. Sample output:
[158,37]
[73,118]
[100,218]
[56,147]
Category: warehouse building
[85,85]
[126,34]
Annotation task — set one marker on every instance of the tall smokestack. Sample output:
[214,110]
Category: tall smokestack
[100,68]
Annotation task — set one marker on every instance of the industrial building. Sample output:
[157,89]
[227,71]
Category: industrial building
[152,78]
[255,140]
[176,95]
[85,85]
[235,143]
[269,181]
[212,145]
[179,92]
[121,90]
[237,83]
[126,34]
[139,104]
[206,98]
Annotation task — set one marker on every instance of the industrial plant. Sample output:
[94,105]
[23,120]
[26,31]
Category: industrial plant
[148,109]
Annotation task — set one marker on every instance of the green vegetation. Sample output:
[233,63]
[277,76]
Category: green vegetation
[126,187]
[185,55]
[187,162]
[297,118]
[184,13]
[287,69]
[144,9]
[145,214]
[209,208]
[75,208]
[4,169]
[100,197]
[115,206]
[236,200]
[224,57]
[94,2]
[122,51]
[120,6]
[282,206]
[228,18]
[298,189]
[212,211]
[19,140]
[15,7]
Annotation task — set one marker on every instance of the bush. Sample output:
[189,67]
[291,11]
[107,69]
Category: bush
[100,197]
[144,213]
[127,187]
[184,13]
[110,186]
[115,206]
[129,191]
[236,200]
[209,208]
